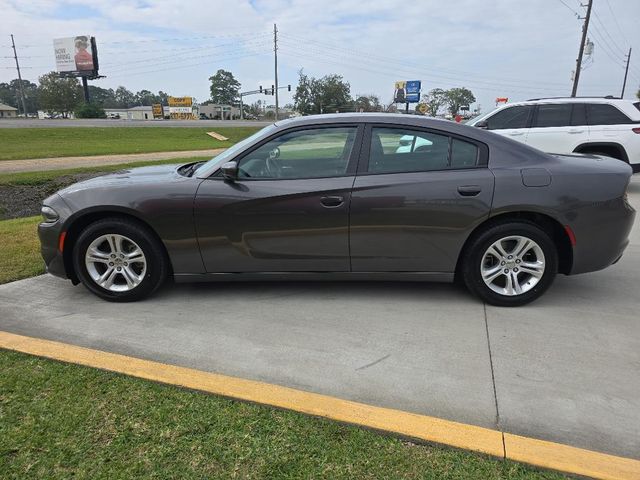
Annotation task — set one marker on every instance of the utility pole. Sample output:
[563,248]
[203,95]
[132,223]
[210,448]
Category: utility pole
[15,55]
[585,28]
[275,58]
[626,72]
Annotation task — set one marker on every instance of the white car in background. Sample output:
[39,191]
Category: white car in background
[604,126]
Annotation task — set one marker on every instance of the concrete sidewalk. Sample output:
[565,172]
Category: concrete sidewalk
[565,368]
[60,163]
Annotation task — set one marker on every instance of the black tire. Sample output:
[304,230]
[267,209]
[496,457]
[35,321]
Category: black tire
[157,264]
[473,256]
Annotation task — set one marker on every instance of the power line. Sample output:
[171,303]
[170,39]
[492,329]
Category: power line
[574,12]
[388,60]
[607,32]
[615,19]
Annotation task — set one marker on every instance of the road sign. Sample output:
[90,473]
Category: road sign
[422,108]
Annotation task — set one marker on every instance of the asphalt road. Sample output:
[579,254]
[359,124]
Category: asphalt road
[37,123]
[565,368]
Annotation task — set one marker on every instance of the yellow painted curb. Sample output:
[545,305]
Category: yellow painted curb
[536,452]
[570,459]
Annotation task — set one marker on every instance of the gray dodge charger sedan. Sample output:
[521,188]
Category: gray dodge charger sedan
[352,196]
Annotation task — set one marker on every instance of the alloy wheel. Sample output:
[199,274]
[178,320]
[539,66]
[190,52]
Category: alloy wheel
[115,263]
[512,265]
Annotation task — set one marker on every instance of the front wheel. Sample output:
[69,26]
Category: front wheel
[119,260]
[510,264]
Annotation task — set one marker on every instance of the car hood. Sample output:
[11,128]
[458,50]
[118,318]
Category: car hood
[127,177]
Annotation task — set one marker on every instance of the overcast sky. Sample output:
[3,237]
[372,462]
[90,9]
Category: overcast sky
[508,48]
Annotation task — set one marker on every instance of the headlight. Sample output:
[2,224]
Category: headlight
[49,214]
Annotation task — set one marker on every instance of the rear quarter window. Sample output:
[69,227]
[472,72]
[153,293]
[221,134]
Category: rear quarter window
[603,114]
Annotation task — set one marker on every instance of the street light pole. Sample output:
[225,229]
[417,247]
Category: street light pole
[275,58]
[626,72]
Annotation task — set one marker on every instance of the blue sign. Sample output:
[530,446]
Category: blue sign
[412,91]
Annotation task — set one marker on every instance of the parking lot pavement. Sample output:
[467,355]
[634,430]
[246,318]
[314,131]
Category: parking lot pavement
[566,367]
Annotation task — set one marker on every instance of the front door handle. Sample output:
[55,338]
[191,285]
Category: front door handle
[469,190]
[331,201]
[515,134]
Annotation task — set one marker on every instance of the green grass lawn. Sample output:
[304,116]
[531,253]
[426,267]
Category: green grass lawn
[19,143]
[66,421]
[19,252]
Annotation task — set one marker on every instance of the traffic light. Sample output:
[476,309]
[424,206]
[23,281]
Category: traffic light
[273,89]
[288,88]
[260,88]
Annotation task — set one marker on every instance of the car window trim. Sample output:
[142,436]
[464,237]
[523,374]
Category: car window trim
[363,160]
[351,163]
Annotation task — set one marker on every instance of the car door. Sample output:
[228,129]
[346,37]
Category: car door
[558,127]
[512,122]
[412,210]
[288,210]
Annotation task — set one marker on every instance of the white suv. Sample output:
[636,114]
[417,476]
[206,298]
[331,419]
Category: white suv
[605,126]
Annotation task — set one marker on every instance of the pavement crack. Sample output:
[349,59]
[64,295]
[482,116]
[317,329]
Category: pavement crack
[374,362]
[493,376]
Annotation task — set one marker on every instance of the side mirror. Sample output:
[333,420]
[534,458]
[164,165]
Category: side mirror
[230,171]
[483,124]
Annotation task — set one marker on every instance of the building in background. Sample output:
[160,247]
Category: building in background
[8,112]
[213,111]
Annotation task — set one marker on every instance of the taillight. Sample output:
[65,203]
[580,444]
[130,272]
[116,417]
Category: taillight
[636,130]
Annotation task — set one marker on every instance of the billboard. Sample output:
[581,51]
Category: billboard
[76,55]
[181,108]
[407,91]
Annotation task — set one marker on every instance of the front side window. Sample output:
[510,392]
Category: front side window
[395,150]
[553,115]
[312,153]
[603,114]
[511,117]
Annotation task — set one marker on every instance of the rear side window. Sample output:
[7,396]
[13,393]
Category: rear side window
[603,114]
[637,105]
[553,115]
[398,150]
[512,117]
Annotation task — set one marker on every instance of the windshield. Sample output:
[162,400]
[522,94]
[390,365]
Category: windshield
[231,151]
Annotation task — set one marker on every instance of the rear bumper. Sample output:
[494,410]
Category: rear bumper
[602,234]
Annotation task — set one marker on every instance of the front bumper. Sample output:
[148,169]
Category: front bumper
[49,234]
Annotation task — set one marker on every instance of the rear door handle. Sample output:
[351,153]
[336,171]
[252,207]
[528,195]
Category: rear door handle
[576,130]
[332,202]
[469,190]
[515,134]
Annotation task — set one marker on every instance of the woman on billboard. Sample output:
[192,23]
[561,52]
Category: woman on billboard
[83,58]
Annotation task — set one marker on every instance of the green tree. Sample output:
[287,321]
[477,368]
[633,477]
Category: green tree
[103,96]
[434,99]
[59,94]
[458,97]
[90,110]
[124,98]
[368,103]
[10,95]
[145,97]
[319,95]
[224,88]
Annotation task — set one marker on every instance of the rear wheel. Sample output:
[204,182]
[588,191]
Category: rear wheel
[119,260]
[510,264]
